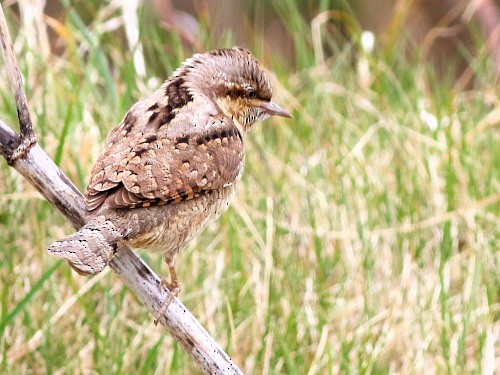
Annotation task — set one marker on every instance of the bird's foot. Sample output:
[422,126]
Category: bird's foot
[174,288]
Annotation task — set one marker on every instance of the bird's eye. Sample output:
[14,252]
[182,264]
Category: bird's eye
[250,93]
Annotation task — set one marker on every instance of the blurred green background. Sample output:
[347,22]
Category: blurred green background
[364,235]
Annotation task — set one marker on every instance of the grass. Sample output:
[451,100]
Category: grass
[363,238]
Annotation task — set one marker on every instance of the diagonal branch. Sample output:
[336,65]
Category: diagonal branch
[24,155]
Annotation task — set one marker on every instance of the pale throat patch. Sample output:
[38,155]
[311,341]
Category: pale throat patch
[225,104]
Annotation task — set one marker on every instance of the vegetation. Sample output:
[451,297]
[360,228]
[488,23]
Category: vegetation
[363,238]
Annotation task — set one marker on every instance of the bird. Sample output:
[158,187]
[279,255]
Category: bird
[172,165]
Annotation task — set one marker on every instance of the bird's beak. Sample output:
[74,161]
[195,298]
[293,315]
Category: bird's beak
[272,108]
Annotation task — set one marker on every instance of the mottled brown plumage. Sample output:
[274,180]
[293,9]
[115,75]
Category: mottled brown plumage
[171,166]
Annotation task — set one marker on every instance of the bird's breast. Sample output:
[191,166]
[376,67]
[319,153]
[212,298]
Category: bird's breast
[167,229]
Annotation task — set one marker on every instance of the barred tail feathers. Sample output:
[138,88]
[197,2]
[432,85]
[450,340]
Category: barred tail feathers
[88,250]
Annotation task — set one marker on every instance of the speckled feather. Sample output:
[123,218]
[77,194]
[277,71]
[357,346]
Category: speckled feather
[194,152]
[171,166]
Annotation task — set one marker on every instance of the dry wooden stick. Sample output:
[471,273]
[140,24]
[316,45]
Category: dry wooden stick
[23,154]
[28,138]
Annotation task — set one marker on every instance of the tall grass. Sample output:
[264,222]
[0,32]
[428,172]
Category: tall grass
[363,238]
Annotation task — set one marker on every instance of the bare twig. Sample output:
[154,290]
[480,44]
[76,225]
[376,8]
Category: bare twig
[22,153]
[27,137]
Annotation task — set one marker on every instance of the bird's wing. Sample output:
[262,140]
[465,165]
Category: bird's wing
[161,155]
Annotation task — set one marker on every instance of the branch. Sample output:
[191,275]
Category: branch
[23,154]
[28,138]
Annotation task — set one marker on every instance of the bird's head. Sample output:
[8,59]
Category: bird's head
[234,79]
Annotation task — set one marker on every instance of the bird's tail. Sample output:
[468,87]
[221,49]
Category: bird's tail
[89,250]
